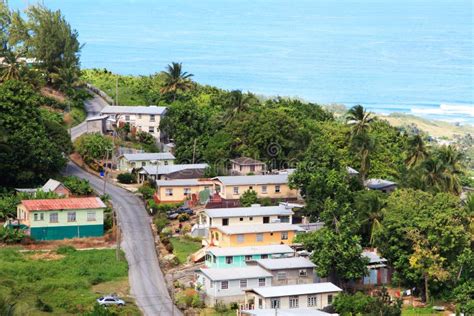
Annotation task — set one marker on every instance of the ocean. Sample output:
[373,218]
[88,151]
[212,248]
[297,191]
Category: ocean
[409,56]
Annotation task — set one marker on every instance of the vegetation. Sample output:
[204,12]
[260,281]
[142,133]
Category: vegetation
[93,147]
[184,247]
[126,178]
[78,186]
[33,284]
[362,304]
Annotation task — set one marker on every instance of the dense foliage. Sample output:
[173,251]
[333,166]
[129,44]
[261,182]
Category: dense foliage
[362,304]
[78,186]
[93,147]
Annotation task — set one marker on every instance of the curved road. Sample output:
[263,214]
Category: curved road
[146,280]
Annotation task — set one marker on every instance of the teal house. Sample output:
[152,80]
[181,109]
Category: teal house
[56,219]
[237,257]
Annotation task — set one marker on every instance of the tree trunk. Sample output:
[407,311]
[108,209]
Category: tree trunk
[427,290]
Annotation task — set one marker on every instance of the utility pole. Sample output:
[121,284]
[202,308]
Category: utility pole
[105,170]
[116,90]
[194,149]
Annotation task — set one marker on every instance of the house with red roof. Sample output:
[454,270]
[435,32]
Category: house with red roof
[56,219]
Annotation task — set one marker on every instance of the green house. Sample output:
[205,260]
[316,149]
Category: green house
[236,257]
[55,219]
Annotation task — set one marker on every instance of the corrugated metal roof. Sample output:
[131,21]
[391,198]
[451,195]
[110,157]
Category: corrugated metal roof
[248,211]
[286,263]
[260,228]
[298,289]
[256,179]
[373,256]
[216,274]
[149,156]
[139,109]
[173,168]
[182,182]
[246,161]
[284,312]
[63,204]
[250,250]
[376,184]
[50,185]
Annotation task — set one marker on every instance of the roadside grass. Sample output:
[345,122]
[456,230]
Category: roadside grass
[78,115]
[183,247]
[413,311]
[213,312]
[67,283]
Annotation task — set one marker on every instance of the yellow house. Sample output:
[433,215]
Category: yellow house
[179,190]
[274,186]
[253,235]
[245,165]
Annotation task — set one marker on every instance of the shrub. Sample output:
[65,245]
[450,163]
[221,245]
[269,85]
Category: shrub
[186,228]
[62,250]
[221,307]
[11,236]
[248,198]
[146,191]
[266,201]
[93,146]
[126,178]
[183,217]
[160,222]
[169,247]
[78,186]
[8,205]
[187,297]
[167,231]
[145,138]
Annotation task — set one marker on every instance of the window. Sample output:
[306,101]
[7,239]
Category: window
[91,216]
[243,284]
[36,216]
[277,189]
[284,235]
[248,258]
[330,299]
[229,260]
[53,217]
[151,129]
[166,162]
[152,118]
[312,301]
[41,216]
[139,116]
[284,219]
[266,219]
[261,282]
[259,237]
[250,218]
[143,163]
[236,190]
[127,118]
[241,219]
[240,238]
[224,285]
[281,275]
[252,168]
[275,303]
[260,303]
[187,191]
[303,272]
[264,256]
[71,216]
[133,164]
[169,192]
[294,302]
[250,187]
[225,222]
[264,189]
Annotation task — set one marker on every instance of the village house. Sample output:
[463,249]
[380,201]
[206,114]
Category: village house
[252,235]
[143,118]
[129,162]
[62,218]
[171,172]
[379,271]
[273,186]
[283,312]
[287,271]
[245,166]
[50,186]
[221,286]
[179,190]
[237,257]
[312,295]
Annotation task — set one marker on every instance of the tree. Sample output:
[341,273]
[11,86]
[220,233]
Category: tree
[369,206]
[176,80]
[359,119]
[417,151]
[93,146]
[238,102]
[248,198]
[78,186]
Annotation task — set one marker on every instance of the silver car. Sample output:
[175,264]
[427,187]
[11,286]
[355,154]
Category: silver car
[110,300]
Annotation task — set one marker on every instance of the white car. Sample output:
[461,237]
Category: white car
[110,300]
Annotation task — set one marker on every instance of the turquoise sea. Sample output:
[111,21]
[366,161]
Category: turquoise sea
[411,56]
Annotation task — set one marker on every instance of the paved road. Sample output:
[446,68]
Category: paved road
[93,107]
[145,277]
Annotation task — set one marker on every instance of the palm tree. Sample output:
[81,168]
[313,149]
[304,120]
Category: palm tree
[238,102]
[452,168]
[10,66]
[417,151]
[363,144]
[176,79]
[359,119]
[433,174]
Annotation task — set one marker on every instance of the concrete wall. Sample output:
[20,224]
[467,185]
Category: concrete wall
[292,276]
[235,221]
[321,300]
[227,192]
[222,240]
[179,192]
[237,261]
[143,122]
[125,165]
[244,170]
[28,218]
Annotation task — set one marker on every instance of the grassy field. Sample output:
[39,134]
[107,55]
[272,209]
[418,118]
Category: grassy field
[184,247]
[411,311]
[62,282]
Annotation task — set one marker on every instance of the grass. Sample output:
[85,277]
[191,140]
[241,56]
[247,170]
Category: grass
[78,115]
[213,312]
[184,247]
[69,282]
[413,311]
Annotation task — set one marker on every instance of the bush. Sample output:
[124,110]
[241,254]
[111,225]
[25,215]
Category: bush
[266,201]
[108,219]
[187,297]
[160,221]
[145,138]
[183,217]
[248,198]
[8,205]
[78,186]
[169,247]
[93,146]
[167,231]
[10,236]
[126,178]
[146,191]
[221,307]
[63,250]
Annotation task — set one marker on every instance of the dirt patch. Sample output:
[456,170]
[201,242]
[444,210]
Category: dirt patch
[53,94]
[48,256]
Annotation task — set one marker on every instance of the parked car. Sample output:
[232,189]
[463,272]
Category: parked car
[110,300]
[173,215]
[185,210]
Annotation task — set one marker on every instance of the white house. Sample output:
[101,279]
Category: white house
[172,171]
[143,118]
[229,285]
[128,162]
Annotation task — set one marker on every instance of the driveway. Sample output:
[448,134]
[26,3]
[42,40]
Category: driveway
[146,280]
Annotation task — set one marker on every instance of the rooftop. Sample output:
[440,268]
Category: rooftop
[216,274]
[248,211]
[250,250]
[256,179]
[139,109]
[173,168]
[259,228]
[181,182]
[376,184]
[149,156]
[246,161]
[373,256]
[298,289]
[63,204]
[51,185]
[286,263]
[284,312]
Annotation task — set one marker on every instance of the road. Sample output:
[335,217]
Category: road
[93,107]
[146,280]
